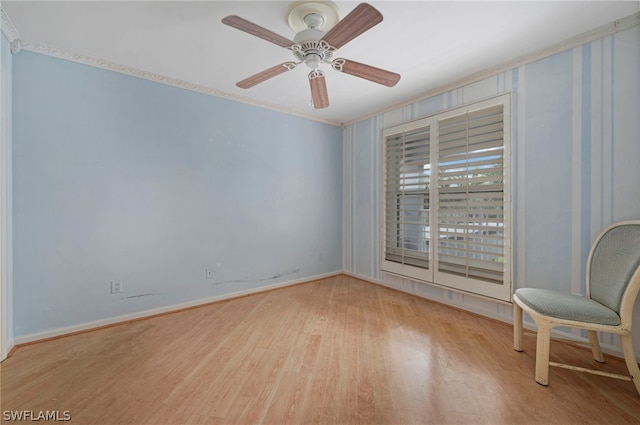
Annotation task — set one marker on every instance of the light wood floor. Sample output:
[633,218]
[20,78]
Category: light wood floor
[334,351]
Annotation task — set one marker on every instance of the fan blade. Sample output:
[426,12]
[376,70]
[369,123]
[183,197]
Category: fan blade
[253,29]
[368,72]
[265,75]
[318,89]
[362,18]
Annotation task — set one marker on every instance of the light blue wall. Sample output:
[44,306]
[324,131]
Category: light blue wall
[120,178]
[576,157]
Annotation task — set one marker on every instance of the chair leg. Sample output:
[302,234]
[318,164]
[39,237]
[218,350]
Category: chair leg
[542,352]
[517,327]
[630,360]
[595,346]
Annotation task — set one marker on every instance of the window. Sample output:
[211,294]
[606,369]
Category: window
[446,203]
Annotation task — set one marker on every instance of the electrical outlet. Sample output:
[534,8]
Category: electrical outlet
[208,273]
[116,286]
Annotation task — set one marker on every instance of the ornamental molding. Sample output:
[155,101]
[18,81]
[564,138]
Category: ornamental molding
[12,35]
[158,78]
[10,31]
[573,42]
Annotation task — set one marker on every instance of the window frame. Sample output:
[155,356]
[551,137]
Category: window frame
[419,273]
[431,275]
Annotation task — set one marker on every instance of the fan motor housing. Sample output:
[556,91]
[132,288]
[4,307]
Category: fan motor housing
[307,35]
[310,48]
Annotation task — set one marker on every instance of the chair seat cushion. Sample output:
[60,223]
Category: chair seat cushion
[561,305]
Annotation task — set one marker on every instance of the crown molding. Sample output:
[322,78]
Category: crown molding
[158,78]
[580,39]
[10,32]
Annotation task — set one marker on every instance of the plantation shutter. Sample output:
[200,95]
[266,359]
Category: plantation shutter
[407,198]
[471,195]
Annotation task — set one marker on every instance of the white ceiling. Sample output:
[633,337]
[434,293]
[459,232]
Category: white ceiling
[430,43]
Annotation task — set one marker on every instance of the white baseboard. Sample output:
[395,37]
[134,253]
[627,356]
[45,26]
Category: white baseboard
[613,350]
[83,327]
[7,348]
[559,334]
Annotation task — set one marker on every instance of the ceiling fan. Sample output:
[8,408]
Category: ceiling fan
[313,46]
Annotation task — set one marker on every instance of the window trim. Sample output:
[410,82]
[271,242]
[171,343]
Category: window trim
[431,275]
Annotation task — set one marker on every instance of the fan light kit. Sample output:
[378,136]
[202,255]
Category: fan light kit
[313,46]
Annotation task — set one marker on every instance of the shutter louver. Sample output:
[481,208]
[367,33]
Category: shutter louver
[407,198]
[471,195]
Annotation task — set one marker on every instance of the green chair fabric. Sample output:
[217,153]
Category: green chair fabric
[567,306]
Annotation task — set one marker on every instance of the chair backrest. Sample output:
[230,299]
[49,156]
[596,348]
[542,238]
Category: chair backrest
[613,261]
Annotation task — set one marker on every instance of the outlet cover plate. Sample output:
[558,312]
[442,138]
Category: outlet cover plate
[116,286]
